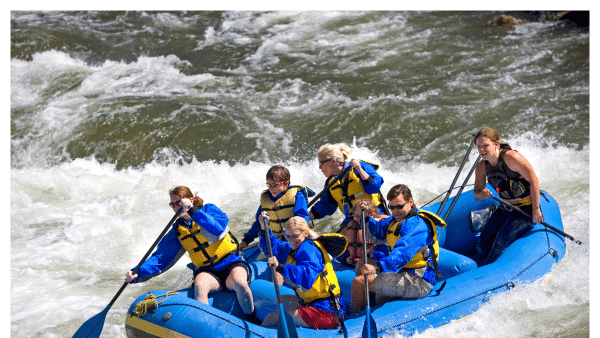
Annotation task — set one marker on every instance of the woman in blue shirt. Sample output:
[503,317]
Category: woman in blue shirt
[203,231]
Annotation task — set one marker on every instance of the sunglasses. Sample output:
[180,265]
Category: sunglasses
[178,203]
[399,206]
[323,162]
[293,236]
[275,185]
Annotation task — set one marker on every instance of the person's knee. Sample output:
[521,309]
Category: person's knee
[358,284]
[237,279]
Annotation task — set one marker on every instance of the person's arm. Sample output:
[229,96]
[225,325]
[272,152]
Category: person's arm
[369,177]
[212,221]
[254,229]
[414,237]
[309,263]
[300,208]
[480,192]
[517,162]
[325,206]
[378,228]
[279,247]
[167,253]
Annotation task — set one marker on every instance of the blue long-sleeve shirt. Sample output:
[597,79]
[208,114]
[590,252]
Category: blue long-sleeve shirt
[327,205]
[415,235]
[214,225]
[300,209]
[309,264]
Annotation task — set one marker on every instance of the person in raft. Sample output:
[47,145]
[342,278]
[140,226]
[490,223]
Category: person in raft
[362,182]
[514,179]
[409,270]
[202,230]
[280,201]
[307,268]
[354,234]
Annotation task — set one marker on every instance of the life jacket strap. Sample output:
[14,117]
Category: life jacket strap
[277,208]
[201,247]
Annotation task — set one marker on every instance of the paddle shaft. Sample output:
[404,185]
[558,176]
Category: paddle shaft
[273,271]
[137,268]
[369,328]
[286,328]
[461,188]
[515,208]
[364,244]
[329,186]
[93,327]
[456,176]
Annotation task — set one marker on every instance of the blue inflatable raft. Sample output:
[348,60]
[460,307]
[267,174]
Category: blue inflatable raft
[468,285]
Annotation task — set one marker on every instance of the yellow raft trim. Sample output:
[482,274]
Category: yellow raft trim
[151,328]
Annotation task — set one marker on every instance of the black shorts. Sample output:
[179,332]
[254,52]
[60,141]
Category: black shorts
[222,275]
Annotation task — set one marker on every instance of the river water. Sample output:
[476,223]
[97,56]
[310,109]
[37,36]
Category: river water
[109,110]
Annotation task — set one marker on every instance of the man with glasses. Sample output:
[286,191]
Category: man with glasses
[278,203]
[409,270]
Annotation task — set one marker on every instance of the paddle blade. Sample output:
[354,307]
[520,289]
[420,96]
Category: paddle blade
[286,327]
[370,328]
[93,326]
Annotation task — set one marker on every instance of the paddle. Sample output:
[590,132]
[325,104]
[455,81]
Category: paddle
[456,177]
[93,326]
[370,328]
[462,187]
[515,208]
[338,177]
[286,327]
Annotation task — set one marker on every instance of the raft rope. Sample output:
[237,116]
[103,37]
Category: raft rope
[149,302]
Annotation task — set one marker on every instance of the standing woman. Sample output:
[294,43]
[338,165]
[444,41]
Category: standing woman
[203,231]
[514,179]
[362,182]
[306,268]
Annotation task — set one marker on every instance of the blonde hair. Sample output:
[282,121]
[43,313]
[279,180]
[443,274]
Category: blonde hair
[339,151]
[299,223]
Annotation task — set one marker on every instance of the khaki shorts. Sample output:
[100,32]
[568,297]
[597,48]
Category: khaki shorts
[400,285]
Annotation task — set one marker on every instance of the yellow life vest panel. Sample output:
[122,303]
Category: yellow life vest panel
[420,259]
[200,250]
[282,209]
[349,189]
[324,286]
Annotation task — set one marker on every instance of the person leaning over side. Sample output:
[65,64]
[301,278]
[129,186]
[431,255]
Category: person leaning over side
[514,179]
[362,182]
[218,266]
[409,270]
[278,203]
[307,269]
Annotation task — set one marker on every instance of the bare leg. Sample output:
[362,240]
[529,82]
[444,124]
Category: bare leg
[279,278]
[360,263]
[291,305]
[204,284]
[357,293]
[238,282]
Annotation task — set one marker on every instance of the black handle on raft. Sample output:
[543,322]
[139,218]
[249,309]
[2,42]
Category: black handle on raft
[515,208]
